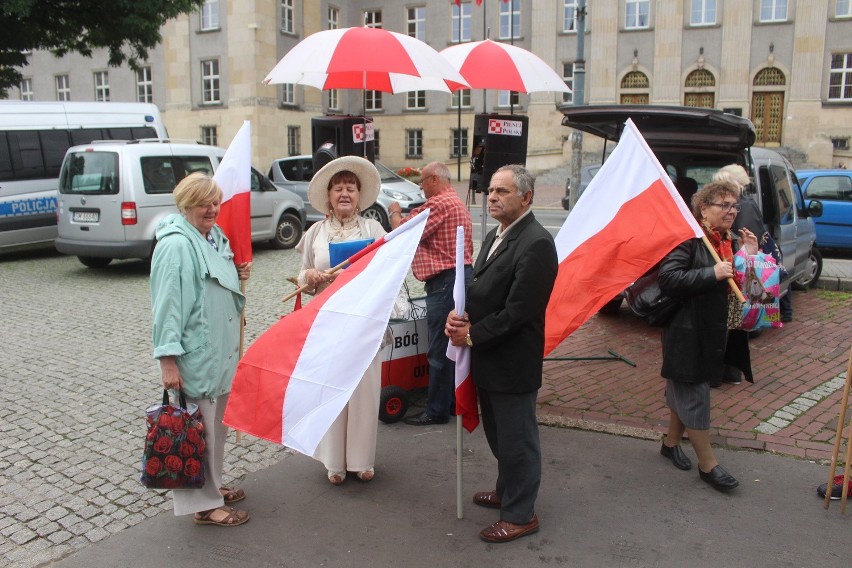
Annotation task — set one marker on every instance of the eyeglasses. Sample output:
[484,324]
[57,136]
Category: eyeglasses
[725,207]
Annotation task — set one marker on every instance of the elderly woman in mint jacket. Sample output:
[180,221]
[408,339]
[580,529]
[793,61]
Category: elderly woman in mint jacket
[197,308]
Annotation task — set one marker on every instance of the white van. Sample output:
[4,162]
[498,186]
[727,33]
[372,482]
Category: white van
[112,196]
[34,137]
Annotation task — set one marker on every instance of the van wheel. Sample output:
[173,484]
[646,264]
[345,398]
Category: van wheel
[95,261]
[288,232]
[376,213]
[812,271]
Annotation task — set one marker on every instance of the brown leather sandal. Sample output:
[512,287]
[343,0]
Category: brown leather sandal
[487,499]
[232,495]
[234,517]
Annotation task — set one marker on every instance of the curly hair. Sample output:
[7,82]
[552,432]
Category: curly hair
[711,193]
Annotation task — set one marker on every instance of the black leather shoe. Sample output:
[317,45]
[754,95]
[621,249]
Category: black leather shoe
[677,456]
[719,479]
[424,419]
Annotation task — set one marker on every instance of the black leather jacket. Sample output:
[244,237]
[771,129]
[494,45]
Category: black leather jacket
[696,342]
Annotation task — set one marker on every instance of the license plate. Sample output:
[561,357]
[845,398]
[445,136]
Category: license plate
[84,216]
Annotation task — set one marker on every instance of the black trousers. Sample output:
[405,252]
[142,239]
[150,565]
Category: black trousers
[510,426]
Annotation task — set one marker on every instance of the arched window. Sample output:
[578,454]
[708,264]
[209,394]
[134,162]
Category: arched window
[634,88]
[699,89]
[700,78]
[769,77]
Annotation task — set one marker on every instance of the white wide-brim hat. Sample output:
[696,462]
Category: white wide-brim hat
[367,174]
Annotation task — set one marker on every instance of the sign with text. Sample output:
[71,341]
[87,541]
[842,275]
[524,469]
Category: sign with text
[505,127]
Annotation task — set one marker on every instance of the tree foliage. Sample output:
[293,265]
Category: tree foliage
[127,28]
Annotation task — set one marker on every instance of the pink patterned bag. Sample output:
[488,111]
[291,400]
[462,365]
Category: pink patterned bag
[759,278]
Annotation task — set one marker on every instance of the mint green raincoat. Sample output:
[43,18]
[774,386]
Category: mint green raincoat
[197,306]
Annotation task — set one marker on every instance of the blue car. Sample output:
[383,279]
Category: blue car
[833,188]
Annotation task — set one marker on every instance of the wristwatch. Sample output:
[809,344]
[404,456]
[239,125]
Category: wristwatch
[468,340]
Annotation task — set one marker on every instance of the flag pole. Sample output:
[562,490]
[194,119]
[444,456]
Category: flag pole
[369,248]
[459,469]
[242,339]
[731,282]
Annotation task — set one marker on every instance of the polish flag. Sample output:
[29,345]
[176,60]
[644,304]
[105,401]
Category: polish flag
[465,389]
[625,222]
[295,379]
[234,178]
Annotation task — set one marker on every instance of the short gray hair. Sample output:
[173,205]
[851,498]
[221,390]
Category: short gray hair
[521,177]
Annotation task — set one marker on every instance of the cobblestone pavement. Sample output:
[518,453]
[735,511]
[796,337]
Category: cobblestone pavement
[77,374]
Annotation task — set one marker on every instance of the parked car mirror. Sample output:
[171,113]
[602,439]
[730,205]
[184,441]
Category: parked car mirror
[814,208]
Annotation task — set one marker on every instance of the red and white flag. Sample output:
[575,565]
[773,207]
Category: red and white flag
[465,389]
[628,219]
[295,379]
[234,178]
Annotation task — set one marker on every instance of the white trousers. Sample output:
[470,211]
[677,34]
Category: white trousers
[187,501]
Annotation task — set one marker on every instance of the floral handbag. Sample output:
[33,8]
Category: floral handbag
[174,446]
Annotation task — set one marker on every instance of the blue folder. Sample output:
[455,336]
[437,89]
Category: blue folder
[338,252]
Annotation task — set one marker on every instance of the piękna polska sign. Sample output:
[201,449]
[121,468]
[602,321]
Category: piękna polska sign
[505,127]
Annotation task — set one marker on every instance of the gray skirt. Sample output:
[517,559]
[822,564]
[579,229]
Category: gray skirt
[691,403]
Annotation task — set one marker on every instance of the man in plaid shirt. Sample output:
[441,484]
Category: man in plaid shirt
[434,264]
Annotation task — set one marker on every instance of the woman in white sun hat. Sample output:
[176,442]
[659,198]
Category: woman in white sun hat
[344,187]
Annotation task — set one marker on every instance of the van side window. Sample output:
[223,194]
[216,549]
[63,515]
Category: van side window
[767,199]
[831,187]
[192,164]
[53,146]
[6,172]
[158,175]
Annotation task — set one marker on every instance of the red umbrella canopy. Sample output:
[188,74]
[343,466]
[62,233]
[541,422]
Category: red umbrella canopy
[491,65]
[366,58]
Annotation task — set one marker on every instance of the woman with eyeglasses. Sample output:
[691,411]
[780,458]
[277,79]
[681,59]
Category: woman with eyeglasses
[697,342]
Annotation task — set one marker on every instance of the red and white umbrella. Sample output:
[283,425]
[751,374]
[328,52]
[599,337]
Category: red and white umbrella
[366,58]
[492,65]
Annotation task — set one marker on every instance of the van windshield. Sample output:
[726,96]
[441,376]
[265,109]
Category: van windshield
[90,173]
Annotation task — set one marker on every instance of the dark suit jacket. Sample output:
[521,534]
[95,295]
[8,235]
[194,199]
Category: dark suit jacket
[506,301]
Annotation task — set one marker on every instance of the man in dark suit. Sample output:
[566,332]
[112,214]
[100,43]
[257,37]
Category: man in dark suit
[504,327]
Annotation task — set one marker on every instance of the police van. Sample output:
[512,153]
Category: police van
[34,137]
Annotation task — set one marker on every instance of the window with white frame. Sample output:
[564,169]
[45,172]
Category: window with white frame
[63,88]
[415,22]
[288,94]
[840,77]
[102,86]
[209,136]
[636,14]
[333,99]
[373,100]
[287,16]
[510,20]
[461,97]
[461,22]
[569,15]
[773,10]
[414,143]
[568,77]
[416,100]
[210,81]
[333,17]
[210,15]
[294,140]
[144,85]
[373,18]
[459,137]
[703,13]
[843,9]
[26,89]
[507,98]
